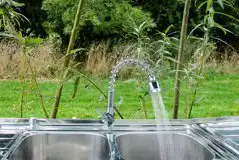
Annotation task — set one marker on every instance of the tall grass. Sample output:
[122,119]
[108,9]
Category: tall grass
[99,61]
[42,57]
[223,64]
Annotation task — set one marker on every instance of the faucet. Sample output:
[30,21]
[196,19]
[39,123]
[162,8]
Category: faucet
[108,116]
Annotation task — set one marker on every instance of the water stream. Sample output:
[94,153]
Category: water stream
[166,151]
[159,108]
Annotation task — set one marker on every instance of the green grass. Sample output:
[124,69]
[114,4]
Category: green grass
[220,94]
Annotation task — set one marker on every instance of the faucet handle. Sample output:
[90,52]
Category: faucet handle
[107,118]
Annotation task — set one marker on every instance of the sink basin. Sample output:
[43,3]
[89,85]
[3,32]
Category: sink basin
[161,146]
[59,146]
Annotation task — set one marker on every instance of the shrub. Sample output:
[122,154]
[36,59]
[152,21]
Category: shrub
[101,18]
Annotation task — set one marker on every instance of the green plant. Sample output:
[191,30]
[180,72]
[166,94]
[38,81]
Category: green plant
[26,43]
[10,20]
[163,50]
[142,97]
[64,71]
[158,50]
[166,13]
[10,23]
[207,47]
[65,75]
[101,19]
[143,41]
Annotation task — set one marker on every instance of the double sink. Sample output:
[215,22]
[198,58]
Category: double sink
[127,140]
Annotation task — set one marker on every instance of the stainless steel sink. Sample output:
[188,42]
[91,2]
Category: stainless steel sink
[128,140]
[59,146]
[161,146]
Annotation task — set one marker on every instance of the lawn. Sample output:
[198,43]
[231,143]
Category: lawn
[219,94]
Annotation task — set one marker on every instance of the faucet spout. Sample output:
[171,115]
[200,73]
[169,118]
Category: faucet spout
[153,85]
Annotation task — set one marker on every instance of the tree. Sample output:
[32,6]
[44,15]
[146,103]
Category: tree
[101,18]
[33,11]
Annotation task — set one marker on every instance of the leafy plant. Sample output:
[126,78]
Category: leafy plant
[143,41]
[10,23]
[100,18]
[10,20]
[164,48]
[159,49]
[26,44]
[203,52]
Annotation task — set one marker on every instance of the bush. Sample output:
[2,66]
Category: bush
[101,18]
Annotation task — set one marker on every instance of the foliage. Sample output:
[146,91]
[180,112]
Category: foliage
[164,13]
[168,13]
[10,20]
[160,50]
[205,49]
[26,45]
[101,18]
[32,10]
[113,19]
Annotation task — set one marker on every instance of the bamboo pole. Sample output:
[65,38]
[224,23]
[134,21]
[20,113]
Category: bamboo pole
[180,57]
[67,58]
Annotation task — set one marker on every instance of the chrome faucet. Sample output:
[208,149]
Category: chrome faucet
[108,116]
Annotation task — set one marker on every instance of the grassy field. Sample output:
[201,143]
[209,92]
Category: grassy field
[219,95]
